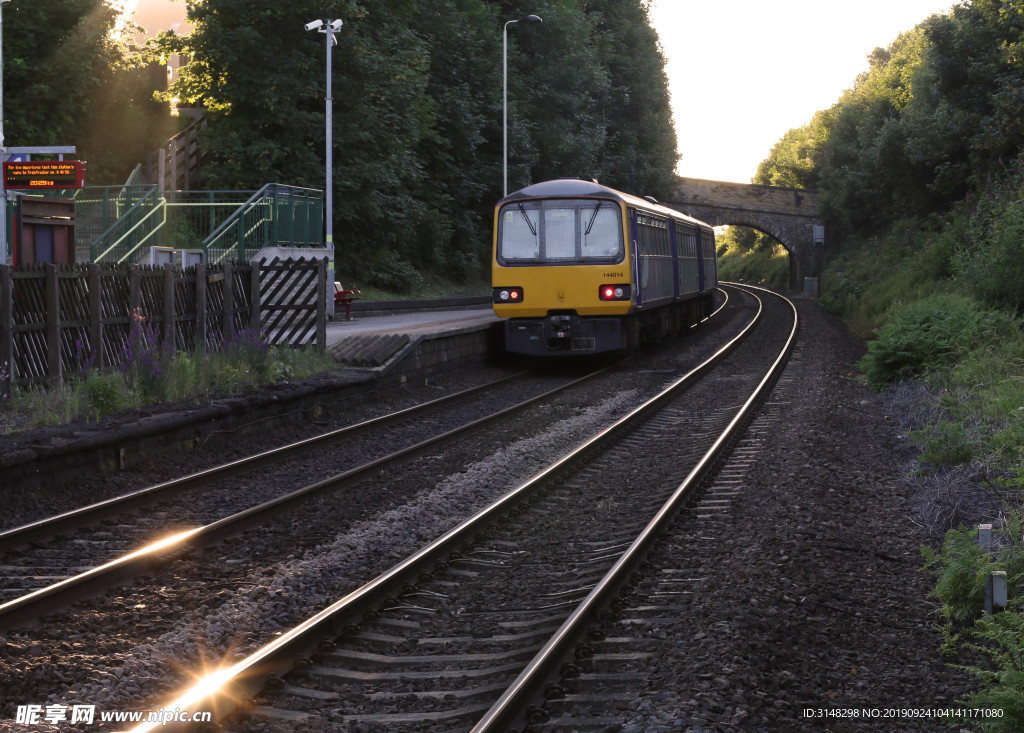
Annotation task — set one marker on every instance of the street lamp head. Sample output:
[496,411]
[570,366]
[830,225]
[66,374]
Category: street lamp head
[314,25]
[531,19]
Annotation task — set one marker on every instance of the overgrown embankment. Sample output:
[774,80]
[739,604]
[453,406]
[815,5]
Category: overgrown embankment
[940,301]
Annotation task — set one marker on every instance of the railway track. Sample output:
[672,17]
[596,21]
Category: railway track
[468,631]
[60,559]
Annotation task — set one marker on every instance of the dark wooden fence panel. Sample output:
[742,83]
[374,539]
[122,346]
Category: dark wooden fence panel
[30,361]
[60,321]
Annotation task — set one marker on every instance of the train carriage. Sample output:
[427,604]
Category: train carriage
[579,268]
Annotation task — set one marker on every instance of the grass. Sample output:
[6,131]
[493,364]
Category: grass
[153,375]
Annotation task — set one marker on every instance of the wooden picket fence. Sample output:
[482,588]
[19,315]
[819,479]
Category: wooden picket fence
[57,321]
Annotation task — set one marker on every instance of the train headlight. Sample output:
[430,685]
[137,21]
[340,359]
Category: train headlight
[507,295]
[614,292]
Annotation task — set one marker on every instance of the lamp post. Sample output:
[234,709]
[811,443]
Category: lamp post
[504,94]
[328,28]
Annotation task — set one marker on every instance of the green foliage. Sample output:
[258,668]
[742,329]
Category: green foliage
[927,334]
[65,69]
[1001,638]
[989,390]
[102,392]
[986,239]
[246,361]
[945,444]
[639,153]
[960,569]
[935,113]
[417,114]
[791,162]
[746,255]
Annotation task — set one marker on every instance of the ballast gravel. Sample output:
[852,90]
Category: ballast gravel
[818,600]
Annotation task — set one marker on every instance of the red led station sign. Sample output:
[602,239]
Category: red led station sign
[44,174]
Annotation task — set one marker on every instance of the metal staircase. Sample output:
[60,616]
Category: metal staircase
[121,223]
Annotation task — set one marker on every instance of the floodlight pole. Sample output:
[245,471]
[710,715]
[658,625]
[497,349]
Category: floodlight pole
[504,96]
[328,28]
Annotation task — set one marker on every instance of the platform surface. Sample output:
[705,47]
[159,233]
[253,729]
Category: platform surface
[372,341]
[412,323]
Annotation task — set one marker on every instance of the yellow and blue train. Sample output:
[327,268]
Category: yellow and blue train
[579,268]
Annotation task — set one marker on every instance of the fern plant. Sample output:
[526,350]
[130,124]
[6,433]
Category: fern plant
[960,568]
[1001,638]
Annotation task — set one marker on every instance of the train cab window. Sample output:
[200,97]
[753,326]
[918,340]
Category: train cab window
[600,231]
[560,234]
[520,238]
[560,231]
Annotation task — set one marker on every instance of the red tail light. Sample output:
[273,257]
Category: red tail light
[507,295]
[614,292]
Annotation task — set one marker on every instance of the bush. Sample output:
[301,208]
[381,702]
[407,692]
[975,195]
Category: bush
[960,569]
[945,444]
[1001,638]
[925,335]
[103,392]
[989,242]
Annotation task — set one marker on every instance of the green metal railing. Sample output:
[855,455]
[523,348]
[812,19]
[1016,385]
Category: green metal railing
[140,213]
[120,223]
[276,215]
[192,216]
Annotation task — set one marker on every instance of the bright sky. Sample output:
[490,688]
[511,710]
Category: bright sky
[761,68]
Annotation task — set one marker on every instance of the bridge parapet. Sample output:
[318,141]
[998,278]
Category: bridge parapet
[748,196]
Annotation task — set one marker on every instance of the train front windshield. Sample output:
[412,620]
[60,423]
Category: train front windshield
[560,231]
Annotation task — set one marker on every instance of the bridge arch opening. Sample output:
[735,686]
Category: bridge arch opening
[749,254]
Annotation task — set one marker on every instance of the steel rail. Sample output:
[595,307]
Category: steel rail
[509,709]
[26,608]
[48,527]
[222,691]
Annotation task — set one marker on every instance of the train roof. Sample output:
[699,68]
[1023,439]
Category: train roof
[579,188]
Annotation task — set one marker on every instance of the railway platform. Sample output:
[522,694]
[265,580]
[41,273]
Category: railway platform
[377,339]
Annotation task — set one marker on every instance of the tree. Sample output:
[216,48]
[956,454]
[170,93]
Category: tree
[792,161]
[640,152]
[937,113]
[70,79]
[417,113]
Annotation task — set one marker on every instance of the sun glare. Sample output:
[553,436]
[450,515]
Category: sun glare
[125,10]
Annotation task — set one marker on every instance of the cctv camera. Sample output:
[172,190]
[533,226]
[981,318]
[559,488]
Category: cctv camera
[336,25]
[314,25]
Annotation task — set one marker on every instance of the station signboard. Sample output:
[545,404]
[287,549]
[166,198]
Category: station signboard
[44,174]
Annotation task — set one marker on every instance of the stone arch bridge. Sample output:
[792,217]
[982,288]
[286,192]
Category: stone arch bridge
[790,215]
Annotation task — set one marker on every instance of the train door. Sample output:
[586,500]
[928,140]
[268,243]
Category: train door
[676,254]
[634,236]
[700,260]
